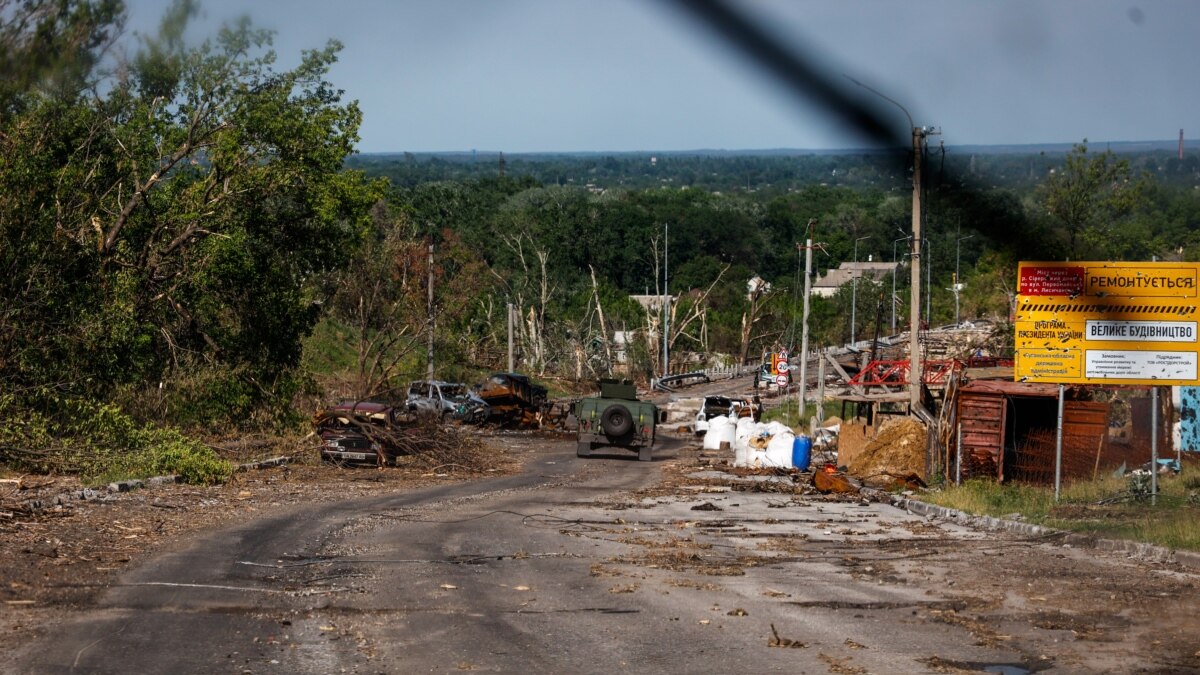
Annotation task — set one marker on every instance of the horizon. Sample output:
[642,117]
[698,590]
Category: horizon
[555,76]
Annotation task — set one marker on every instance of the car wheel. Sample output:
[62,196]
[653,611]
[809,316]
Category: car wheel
[616,420]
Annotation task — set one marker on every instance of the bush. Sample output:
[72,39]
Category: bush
[47,434]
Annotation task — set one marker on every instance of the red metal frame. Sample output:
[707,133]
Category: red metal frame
[894,372]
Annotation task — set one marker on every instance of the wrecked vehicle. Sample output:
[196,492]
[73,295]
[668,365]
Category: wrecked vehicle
[443,400]
[616,418]
[514,400]
[357,432]
[714,406]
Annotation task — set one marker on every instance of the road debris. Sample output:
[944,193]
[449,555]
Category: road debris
[776,641]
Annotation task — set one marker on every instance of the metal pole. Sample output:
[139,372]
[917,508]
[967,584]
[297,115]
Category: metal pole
[804,324]
[1153,445]
[957,271]
[511,367]
[820,400]
[928,284]
[895,273]
[666,304]
[958,457]
[1058,446]
[432,322]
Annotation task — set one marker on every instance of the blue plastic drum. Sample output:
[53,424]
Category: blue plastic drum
[801,452]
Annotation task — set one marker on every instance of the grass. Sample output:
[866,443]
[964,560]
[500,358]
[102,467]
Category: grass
[785,412]
[1106,507]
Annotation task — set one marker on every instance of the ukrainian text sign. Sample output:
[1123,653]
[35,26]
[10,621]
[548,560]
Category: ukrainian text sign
[1106,322]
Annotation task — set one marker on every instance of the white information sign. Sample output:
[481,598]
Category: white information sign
[1141,331]
[1117,364]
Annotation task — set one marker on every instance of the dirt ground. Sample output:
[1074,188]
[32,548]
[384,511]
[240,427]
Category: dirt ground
[59,558]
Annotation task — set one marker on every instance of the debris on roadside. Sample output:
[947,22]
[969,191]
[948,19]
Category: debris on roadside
[829,483]
[788,643]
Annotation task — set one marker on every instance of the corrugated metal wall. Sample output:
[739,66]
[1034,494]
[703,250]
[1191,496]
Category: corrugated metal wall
[983,416]
[981,419]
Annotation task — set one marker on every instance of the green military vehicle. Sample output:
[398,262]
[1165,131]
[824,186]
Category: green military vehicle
[616,418]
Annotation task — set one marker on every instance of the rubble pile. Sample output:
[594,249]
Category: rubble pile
[897,451]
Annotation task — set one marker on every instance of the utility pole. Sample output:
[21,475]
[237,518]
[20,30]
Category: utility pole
[511,365]
[958,285]
[895,273]
[914,314]
[432,322]
[854,292]
[808,247]
[928,284]
[666,304]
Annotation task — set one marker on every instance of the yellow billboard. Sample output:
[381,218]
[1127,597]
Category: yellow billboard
[1107,323]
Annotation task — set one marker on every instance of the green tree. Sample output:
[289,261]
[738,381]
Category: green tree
[174,222]
[1089,197]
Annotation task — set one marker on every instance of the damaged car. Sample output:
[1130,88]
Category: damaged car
[447,400]
[361,432]
[728,406]
[515,400]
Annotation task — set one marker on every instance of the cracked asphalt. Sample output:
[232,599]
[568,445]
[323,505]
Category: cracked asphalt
[609,564]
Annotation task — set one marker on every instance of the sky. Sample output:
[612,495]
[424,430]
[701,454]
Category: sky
[642,75]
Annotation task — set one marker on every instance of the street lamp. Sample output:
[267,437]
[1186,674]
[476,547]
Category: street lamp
[919,134]
[854,291]
[957,284]
[895,272]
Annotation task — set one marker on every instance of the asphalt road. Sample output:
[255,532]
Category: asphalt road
[583,566]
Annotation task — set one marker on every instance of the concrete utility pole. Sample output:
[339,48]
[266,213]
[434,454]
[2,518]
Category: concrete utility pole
[808,247]
[914,329]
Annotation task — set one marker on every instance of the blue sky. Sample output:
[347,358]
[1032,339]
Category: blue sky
[630,75]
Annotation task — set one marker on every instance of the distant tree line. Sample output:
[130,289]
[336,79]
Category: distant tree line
[188,236]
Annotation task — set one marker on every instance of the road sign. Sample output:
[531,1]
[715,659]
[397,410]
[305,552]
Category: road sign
[779,363]
[1112,323]
[781,380]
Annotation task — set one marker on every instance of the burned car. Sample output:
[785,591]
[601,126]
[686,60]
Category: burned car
[447,400]
[514,399]
[361,432]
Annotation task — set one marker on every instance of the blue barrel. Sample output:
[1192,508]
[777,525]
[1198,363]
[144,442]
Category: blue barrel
[801,452]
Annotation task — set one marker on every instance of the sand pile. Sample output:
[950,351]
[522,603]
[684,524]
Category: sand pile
[898,450]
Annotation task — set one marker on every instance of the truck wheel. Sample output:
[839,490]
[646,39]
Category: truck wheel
[583,449]
[644,455]
[616,420]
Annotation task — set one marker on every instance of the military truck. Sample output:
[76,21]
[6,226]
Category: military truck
[616,418]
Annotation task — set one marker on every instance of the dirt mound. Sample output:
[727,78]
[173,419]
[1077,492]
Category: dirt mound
[897,450]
